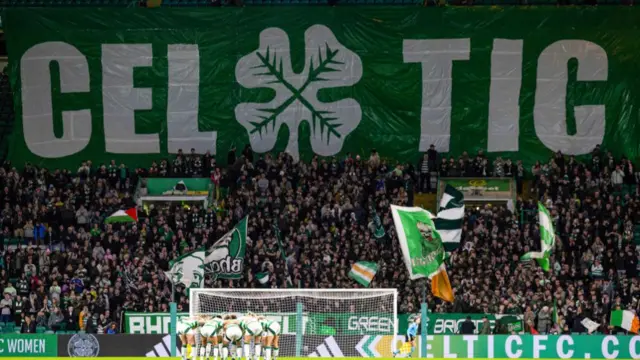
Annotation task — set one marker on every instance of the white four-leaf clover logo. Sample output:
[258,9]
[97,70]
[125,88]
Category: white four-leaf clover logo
[328,64]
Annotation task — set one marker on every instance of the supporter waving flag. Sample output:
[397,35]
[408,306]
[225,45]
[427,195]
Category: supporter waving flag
[422,248]
[547,239]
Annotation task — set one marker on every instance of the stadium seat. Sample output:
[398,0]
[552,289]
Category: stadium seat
[41,329]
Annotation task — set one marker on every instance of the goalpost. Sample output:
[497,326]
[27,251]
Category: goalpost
[315,322]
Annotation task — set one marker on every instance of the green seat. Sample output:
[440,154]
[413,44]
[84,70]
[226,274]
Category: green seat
[9,327]
[41,329]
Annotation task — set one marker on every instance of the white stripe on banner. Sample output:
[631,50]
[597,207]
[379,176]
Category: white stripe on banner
[161,350]
[313,354]
[451,214]
[450,235]
[445,199]
[167,344]
[335,348]
[323,351]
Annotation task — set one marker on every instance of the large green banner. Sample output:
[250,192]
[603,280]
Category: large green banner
[520,82]
[28,345]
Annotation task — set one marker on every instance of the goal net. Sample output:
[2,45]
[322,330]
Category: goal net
[314,322]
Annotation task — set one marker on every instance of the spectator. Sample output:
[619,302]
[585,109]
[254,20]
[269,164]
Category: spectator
[544,320]
[71,318]
[91,323]
[10,290]
[28,326]
[467,327]
[485,327]
[56,319]
[5,308]
[617,177]
[424,183]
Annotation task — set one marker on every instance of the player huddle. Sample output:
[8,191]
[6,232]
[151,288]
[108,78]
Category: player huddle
[218,335]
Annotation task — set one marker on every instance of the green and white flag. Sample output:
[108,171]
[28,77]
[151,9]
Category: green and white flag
[547,239]
[363,272]
[376,226]
[188,269]
[225,259]
[450,218]
[422,248]
[262,277]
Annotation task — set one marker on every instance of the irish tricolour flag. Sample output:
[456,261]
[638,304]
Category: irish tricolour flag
[363,272]
[626,320]
[123,216]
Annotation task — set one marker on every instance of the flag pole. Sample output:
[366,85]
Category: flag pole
[423,321]
[173,308]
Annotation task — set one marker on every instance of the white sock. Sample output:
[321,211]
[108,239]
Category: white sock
[216,352]
[225,352]
[247,350]
[267,353]
[256,355]
[184,352]
[207,351]
[202,351]
[276,351]
[238,351]
[195,350]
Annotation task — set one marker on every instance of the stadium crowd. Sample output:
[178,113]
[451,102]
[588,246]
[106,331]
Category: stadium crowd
[70,271]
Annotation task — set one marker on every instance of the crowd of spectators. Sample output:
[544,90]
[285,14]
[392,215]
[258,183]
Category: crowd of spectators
[71,271]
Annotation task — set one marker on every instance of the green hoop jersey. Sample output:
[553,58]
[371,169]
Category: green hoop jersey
[271,327]
[251,326]
[185,325]
[211,327]
[190,323]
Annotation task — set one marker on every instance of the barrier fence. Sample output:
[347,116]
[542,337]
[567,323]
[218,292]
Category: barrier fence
[438,346]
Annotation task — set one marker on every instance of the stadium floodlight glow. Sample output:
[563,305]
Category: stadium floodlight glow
[314,322]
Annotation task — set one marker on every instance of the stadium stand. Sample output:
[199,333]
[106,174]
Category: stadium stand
[66,267]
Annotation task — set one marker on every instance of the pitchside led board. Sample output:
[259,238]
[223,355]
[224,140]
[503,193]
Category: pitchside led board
[42,346]
[518,82]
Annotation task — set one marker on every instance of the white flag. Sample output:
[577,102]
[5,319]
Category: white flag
[188,269]
[590,325]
